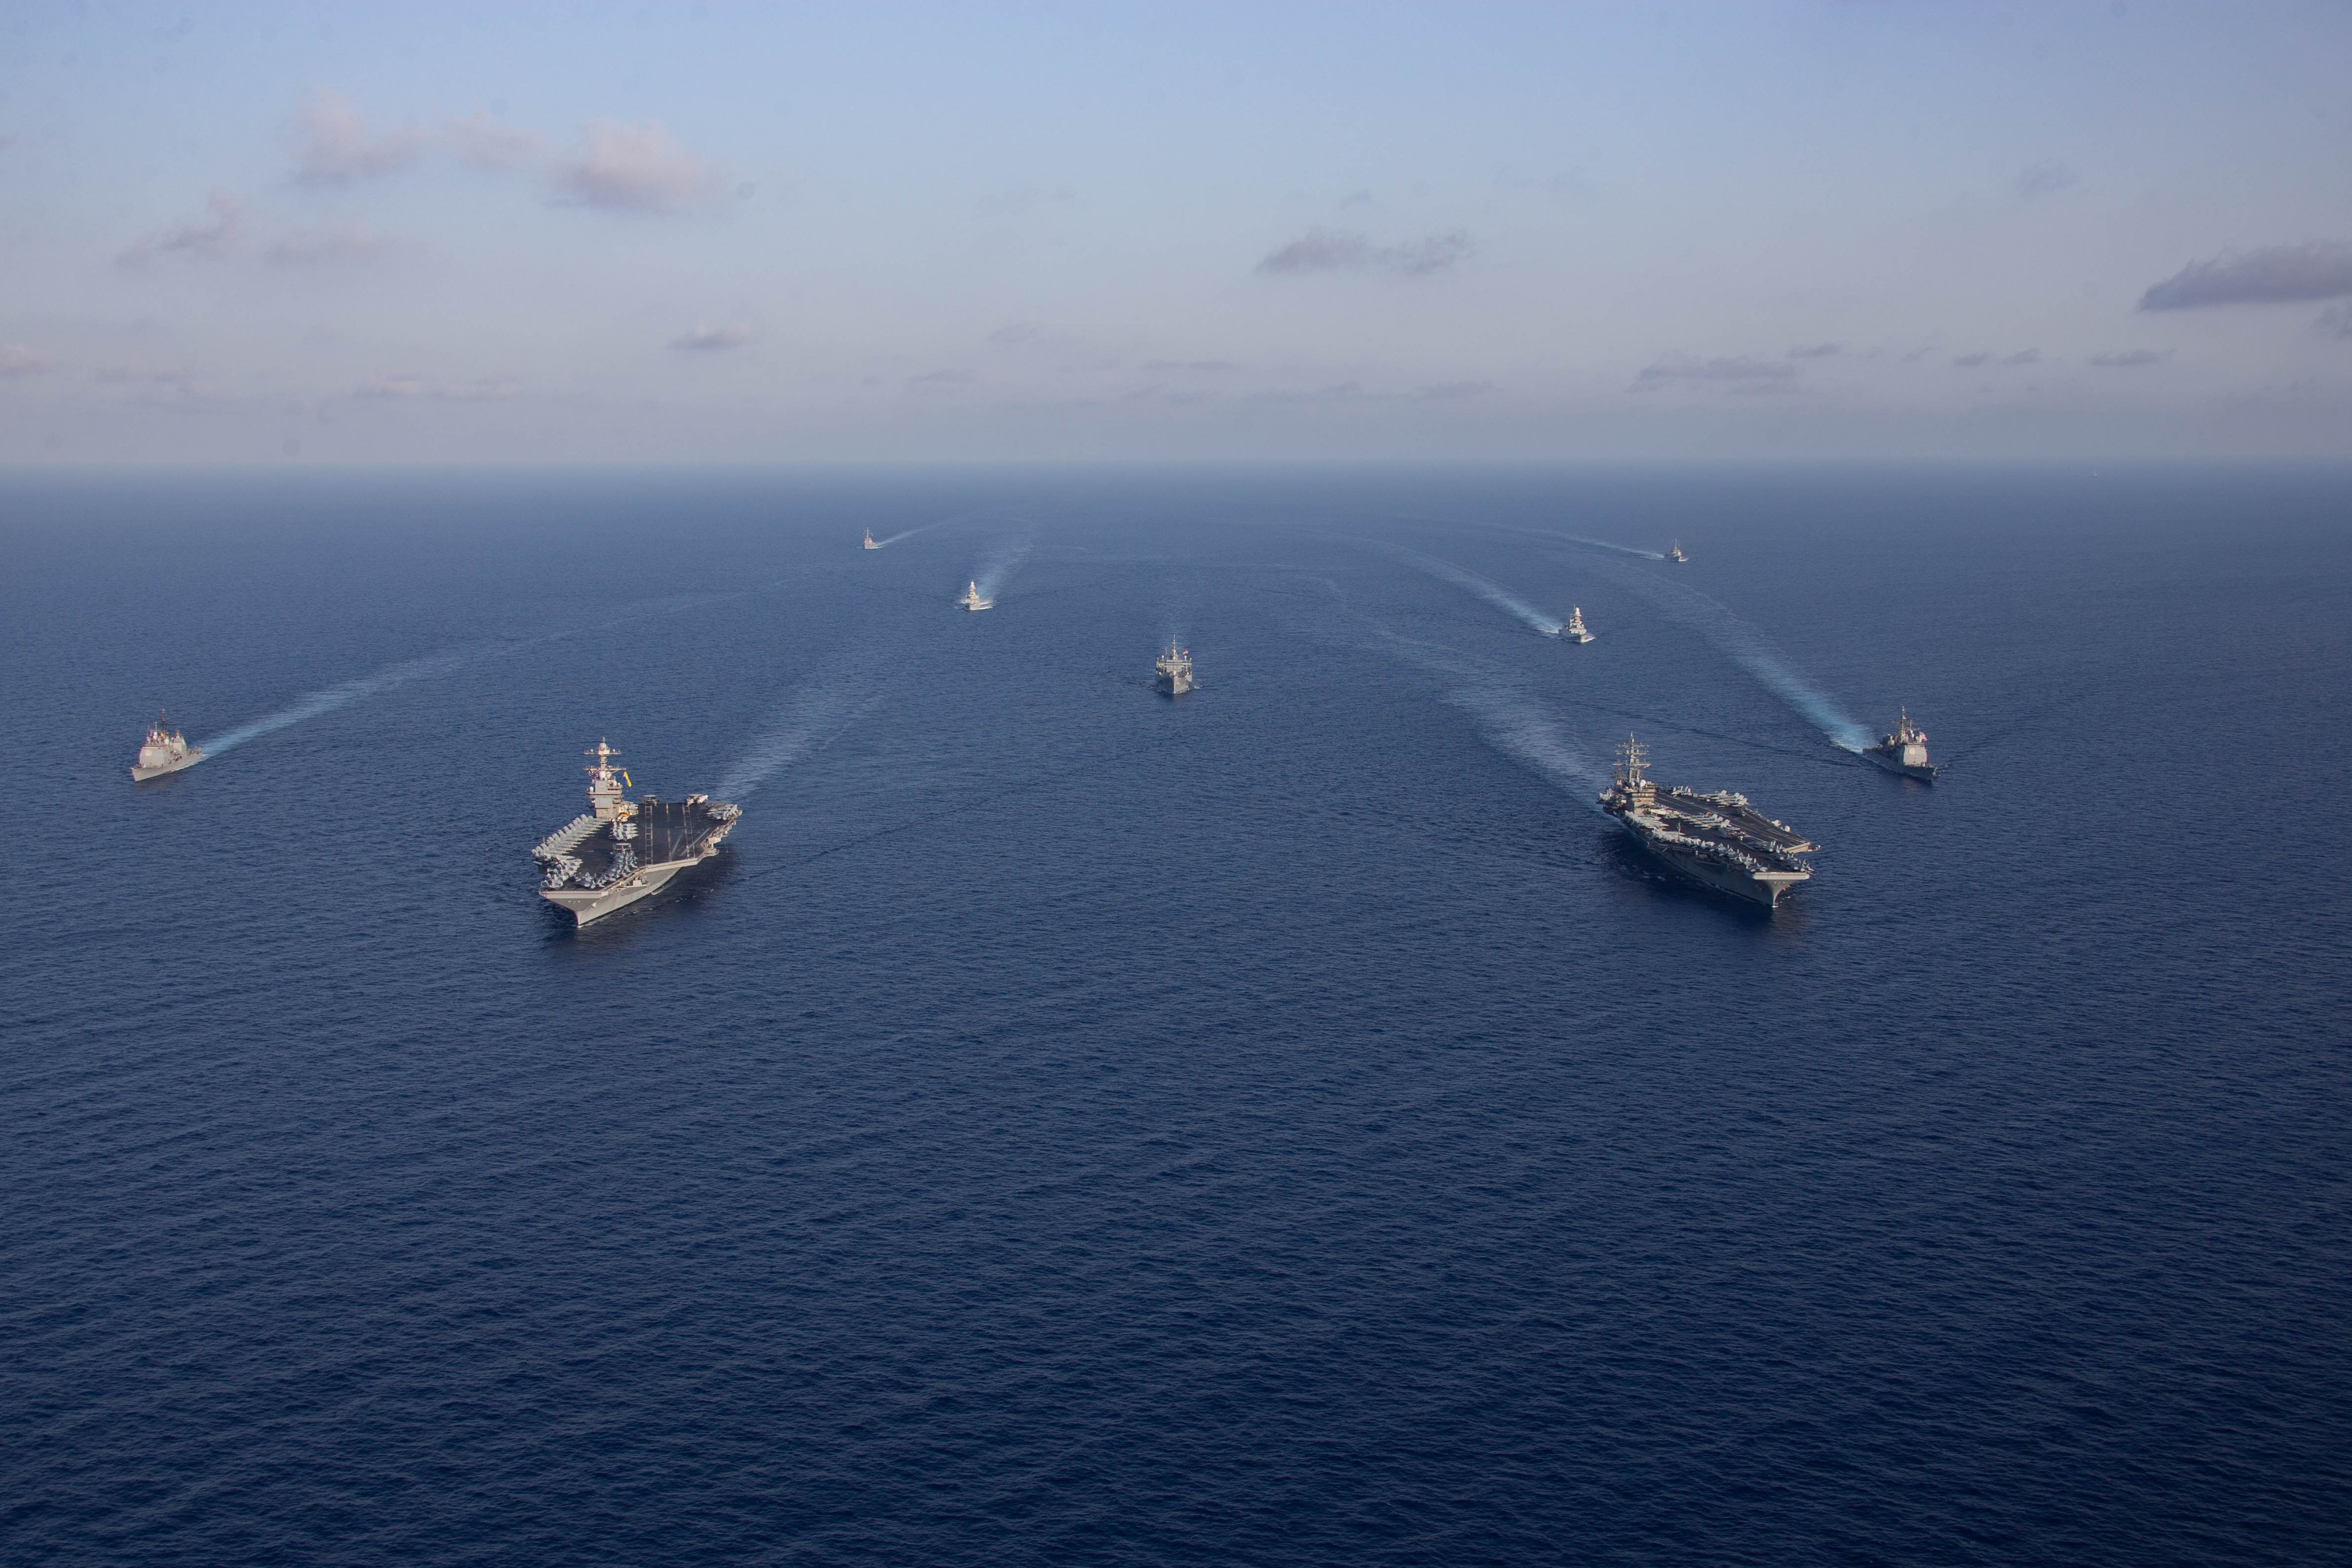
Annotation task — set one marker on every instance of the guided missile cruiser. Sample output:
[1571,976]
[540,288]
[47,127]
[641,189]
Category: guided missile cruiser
[972,601]
[1716,840]
[1175,668]
[1904,751]
[622,850]
[869,540]
[1574,630]
[1674,553]
[166,751]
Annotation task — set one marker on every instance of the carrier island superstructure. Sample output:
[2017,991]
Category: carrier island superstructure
[622,850]
[1175,668]
[1718,841]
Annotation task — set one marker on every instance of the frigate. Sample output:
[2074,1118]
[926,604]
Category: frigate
[1675,552]
[1574,630]
[1904,751]
[972,601]
[1175,668]
[869,540]
[620,849]
[166,751]
[1718,841]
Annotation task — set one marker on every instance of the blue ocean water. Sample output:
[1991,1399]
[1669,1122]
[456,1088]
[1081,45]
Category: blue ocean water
[1289,1124]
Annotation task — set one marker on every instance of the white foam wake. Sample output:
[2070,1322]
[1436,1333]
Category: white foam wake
[332,697]
[1752,652]
[997,570]
[1493,593]
[811,718]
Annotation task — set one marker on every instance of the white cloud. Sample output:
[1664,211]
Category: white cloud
[487,143]
[220,230]
[333,145]
[343,243]
[631,168]
[1337,250]
[20,360]
[707,339]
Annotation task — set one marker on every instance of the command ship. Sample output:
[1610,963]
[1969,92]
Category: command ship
[622,850]
[1718,841]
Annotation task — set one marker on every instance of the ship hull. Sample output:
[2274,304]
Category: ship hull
[1924,772]
[588,906]
[141,775]
[1747,888]
[1171,686]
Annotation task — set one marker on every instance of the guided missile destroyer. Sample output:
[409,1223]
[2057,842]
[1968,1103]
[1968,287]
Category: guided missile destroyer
[1674,553]
[1718,841]
[166,751]
[1574,630]
[972,600]
[622,850]
[1175,668]
[1904,751]
[869,540]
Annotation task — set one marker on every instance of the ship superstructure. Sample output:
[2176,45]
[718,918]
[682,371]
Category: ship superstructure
[166,751]
[620,849]
[1904,751]
[1718,841]
[1574,630]
[869,540]
[972,601]
[1175,668]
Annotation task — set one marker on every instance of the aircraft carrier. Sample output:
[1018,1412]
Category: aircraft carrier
[622,850]
[1718,841]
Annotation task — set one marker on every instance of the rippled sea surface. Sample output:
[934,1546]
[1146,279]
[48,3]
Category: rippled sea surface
[1287,1124]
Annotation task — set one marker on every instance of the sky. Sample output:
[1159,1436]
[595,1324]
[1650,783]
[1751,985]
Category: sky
[579,233]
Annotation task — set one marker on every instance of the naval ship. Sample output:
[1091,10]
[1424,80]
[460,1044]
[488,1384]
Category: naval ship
[1904,751]
[869,540]
[1675,552]
[622,850]
[972,601]
[1718,841]
[1175,668]
[1574,630]
[166,751]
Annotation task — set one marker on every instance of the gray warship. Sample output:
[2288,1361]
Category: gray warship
[166,751]
[1175,668]
[622,850]
[1674,553]
[869,540]
[972,601]
[1718,841]
[1904,751]
[1574,630]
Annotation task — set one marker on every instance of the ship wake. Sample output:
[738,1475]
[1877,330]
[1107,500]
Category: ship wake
[332,697]
[1752,652]
[997,569]
[1493,593]
[810,719]
[1507,718]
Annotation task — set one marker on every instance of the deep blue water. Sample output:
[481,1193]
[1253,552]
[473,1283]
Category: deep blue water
[1283,1126]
